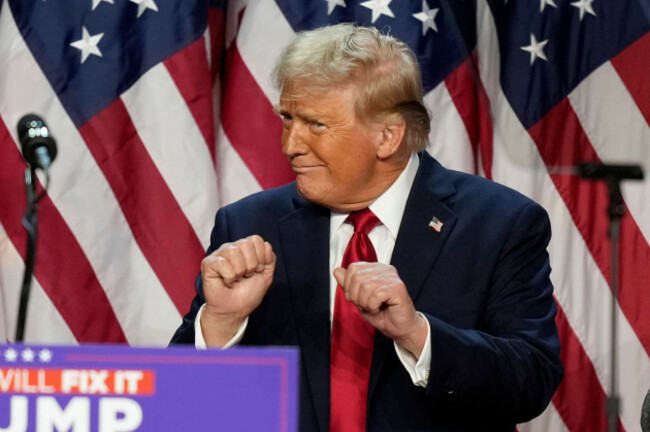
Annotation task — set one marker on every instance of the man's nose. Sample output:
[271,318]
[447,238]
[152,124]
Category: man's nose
[293,143]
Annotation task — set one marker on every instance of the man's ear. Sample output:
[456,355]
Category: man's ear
[392,136]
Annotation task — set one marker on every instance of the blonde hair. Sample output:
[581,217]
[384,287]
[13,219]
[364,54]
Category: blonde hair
[384,70]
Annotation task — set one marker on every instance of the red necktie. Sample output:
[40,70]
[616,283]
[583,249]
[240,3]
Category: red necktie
[352,339]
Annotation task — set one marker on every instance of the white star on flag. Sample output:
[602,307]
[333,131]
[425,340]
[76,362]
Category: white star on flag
[144,5]
[88,44]
[28,355]
[436,224]
[536,49]
[11,355]
[331,4]
[45,355]
[584,6]
[543,3]
[427,16]
[379,8]
[97,2]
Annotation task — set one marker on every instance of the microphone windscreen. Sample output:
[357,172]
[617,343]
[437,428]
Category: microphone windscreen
[33,134]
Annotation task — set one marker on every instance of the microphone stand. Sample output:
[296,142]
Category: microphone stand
[30,220]
[616,210]
[613,175]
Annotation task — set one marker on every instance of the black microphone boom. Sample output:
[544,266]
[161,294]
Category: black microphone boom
[594,170]
[39,147]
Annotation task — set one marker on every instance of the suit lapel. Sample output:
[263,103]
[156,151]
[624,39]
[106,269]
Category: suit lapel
[418,244]
[304,235]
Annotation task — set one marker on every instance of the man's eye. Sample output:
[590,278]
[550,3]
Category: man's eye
[285,118]
[318,125]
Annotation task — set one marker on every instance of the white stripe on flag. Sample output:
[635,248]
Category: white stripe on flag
[275,33]
[232,20]
[448,139]
[235,180]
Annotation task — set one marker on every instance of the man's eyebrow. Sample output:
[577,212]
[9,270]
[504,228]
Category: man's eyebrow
[280,110]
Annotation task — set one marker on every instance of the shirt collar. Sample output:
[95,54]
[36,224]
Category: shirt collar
[389,207]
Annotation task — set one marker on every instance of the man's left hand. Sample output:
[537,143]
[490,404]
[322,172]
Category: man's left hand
[380,295]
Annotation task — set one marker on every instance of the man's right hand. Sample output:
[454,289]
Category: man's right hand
[235,279]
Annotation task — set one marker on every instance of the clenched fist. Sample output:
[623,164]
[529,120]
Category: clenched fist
[235,279]
[383,301]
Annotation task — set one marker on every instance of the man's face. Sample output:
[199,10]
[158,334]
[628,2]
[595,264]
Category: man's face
[332,152]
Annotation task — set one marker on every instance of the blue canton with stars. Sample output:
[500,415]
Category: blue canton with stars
[575,36]
[136,35]
[439,50]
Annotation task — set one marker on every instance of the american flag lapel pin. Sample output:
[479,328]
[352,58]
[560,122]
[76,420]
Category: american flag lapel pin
[436,224]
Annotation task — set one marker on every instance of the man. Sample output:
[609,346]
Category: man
[457,334]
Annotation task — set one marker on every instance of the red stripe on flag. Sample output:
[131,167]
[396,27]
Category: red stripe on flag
[252,127]
[580,399]
[635,278]
[61,266]
[562,142]
[190,71]
[472,103]
[159,226]
[633,66]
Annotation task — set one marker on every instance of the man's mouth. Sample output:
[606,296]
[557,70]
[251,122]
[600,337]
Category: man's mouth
[304,168]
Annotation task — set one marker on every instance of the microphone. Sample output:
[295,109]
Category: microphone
[645,413]
[39,147]
[594,170]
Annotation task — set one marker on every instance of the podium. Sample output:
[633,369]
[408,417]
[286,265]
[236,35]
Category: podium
[110,388]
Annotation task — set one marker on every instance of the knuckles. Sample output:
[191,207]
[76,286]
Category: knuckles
[242,257]
[364,274]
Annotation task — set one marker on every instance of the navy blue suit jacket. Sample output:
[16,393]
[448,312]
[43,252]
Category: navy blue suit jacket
[482,282]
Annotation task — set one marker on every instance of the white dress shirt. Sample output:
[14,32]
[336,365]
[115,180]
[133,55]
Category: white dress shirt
[389,209]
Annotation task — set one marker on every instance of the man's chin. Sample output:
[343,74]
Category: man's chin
[328,202]
[311,195]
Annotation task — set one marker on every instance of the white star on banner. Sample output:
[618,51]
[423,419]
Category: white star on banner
[88,44]
[97,2]
[331,4]
[11,355]
[144,5]
[379,8]
[427,16]
[45,355]
[536,49]
[28,355]
[584,6]
[543,3]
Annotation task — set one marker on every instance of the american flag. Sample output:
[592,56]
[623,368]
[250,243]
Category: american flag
[436,224]
[163,112]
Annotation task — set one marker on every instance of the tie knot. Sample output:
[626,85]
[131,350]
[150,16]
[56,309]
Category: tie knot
[363,221]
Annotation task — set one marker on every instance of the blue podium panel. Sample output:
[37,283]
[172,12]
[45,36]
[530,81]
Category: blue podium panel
[117,388]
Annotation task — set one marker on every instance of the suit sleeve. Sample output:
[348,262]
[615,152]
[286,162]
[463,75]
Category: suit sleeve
[511,363]
[185,333]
